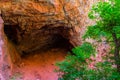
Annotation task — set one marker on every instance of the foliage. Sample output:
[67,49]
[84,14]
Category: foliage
[107,18]
[74,67]
[84,51]
[107,23]
[71,65]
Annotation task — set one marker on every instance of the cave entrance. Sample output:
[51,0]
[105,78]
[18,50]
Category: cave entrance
[42,39]
[56,42]
[39,50]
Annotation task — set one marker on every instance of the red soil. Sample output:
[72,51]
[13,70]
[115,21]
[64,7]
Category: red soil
[39,66]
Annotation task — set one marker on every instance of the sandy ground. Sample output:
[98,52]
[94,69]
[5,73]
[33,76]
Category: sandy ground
[39,66]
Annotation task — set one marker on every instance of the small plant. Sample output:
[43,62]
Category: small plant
[15,76]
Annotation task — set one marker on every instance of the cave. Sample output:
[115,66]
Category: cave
[30,30]
[42,39]
[35,47]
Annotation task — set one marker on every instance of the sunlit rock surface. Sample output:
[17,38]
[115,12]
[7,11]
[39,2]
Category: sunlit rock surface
[30,25]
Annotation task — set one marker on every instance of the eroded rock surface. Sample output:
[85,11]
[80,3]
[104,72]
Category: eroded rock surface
[37,24]
[27,22]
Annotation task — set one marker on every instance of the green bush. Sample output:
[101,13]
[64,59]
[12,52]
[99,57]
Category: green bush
[71,67]
[84,51]
[74,67]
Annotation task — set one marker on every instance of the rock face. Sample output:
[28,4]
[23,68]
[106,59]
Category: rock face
[40,24]
[32,24]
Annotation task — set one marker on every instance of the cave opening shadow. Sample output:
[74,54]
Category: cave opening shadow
[60,42]
[57,41]
[11,32]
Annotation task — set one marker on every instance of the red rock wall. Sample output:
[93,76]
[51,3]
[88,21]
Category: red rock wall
[49,12]
[32,15]
[8,54]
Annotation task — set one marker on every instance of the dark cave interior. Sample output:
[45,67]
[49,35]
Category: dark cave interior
[43,40]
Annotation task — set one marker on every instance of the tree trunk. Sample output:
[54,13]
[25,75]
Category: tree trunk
[117,58]
[116,52]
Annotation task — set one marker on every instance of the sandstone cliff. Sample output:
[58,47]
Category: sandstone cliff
[34,24]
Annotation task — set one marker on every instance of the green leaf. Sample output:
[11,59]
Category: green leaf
[84,51]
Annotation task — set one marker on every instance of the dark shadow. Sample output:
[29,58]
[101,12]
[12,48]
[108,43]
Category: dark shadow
[56,40]
[11,32]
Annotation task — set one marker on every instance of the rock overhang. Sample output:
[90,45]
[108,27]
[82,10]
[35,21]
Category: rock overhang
[45,37]
[27,19]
